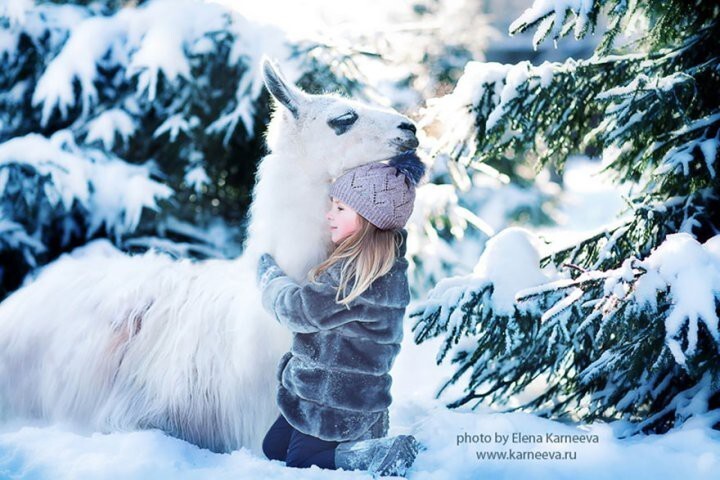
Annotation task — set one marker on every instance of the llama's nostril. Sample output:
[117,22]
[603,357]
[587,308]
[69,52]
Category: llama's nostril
[407,126]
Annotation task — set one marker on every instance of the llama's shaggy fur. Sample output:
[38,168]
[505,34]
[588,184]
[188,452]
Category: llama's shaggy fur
[117,342]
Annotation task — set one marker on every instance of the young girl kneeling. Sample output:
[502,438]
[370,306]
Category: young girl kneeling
[334,385]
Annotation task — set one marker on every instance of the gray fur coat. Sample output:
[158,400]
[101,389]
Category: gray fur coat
[334,382]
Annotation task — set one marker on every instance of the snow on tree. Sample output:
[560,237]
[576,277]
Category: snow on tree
[44,179]
[487,195]
[622,325]
[112,109]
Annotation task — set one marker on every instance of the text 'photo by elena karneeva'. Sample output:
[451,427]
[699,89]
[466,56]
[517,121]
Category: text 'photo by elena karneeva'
[307,240]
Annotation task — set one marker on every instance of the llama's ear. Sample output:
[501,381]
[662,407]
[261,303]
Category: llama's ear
[283,92]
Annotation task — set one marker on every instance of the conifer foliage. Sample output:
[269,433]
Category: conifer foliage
[623,325]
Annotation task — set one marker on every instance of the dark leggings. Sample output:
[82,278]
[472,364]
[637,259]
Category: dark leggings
[285,443]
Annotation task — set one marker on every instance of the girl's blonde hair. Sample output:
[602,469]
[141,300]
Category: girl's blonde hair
[370,253]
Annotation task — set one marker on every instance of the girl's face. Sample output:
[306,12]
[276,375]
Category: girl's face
[343,220]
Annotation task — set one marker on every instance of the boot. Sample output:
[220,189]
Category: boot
[379,456]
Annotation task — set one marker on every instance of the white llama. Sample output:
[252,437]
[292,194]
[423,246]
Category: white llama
[144,341]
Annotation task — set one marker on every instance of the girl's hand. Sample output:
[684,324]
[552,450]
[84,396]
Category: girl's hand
[267,270]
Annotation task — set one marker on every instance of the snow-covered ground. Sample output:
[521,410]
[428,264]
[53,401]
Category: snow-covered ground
[455,438]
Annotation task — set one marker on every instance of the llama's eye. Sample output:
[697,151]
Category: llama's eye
[343,123]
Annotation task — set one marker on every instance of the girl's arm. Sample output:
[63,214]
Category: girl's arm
[302,309]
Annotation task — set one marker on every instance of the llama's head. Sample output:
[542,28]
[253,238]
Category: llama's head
[328,133]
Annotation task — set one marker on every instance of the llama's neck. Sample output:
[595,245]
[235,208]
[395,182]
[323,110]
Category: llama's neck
[287,216]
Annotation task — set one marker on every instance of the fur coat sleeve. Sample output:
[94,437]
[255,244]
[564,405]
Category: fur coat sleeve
[306,308]
[312,307]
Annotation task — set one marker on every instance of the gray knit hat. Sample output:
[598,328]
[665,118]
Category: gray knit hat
[382,193]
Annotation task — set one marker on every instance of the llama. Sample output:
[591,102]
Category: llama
[121,342]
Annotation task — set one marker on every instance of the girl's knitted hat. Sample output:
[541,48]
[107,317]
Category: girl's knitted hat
[382,193]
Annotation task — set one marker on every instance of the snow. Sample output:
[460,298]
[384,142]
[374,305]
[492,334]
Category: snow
[545,71]
[175,124]
[119,190]
[703,122]
[88,43]
[491,86]
[710,149]
[680,157]
[516,76]
[511,263]
[454,440]
[197,177]
[107,125]
[15,10]
[162,30]
[8,43]
[476,75]
[153,40]
[66,170]
[122,191]
[563,304]
[552,14]
[450,291]
[41,23]
[642,82]
[691,275]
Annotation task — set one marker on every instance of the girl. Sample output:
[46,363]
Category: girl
[334,385]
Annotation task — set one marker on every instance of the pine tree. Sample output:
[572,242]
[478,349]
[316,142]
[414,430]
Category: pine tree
[623,325]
